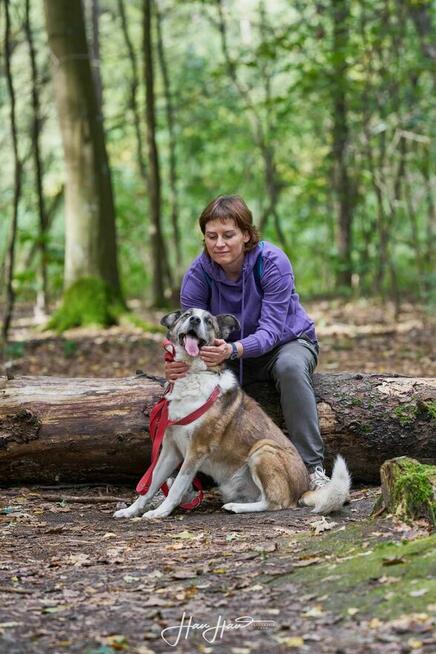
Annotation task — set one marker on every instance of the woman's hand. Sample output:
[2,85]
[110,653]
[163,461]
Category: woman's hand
[175,370]
[213,355]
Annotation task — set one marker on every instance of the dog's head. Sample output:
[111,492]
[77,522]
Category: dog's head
[194,328]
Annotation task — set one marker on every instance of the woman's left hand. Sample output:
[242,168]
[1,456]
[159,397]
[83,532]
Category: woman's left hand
[213,355]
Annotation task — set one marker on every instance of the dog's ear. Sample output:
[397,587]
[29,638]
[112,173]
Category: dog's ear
[169,320]
[227,324]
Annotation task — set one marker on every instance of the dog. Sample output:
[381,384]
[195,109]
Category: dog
[255,466]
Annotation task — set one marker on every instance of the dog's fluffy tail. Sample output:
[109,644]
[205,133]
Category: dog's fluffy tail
[334,494]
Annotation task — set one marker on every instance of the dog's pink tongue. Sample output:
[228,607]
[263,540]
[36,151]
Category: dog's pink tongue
[191,346]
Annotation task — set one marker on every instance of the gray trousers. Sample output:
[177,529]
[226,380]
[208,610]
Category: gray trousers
[290,368]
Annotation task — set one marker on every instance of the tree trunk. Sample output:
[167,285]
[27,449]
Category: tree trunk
[158,250]
[87,430]
[10,256]
[421,14]
[134,85]
[92,13]
[169,109]
[341,179]
[90,239]
[408,489]
[41,307]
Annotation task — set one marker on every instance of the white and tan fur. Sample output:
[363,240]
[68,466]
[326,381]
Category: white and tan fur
[253,463]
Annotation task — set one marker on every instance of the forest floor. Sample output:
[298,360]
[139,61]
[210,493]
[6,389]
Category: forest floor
[73,579]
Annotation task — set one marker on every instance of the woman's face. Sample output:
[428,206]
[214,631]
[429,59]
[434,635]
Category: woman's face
[225,242]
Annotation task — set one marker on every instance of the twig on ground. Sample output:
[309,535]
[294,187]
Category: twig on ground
[84,499]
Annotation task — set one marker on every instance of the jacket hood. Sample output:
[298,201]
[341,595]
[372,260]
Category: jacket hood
[217,273]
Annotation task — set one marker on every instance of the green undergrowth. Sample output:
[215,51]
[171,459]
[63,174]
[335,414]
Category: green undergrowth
[87,302]
[353,570]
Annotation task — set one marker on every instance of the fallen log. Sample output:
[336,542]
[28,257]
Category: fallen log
[75,430]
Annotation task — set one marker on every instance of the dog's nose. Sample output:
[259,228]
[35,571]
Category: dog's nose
[194,320]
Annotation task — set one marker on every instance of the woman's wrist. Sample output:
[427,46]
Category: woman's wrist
[234,350]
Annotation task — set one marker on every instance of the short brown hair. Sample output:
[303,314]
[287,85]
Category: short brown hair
[234,207]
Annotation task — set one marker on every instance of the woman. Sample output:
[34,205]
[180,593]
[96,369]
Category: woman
[254,281]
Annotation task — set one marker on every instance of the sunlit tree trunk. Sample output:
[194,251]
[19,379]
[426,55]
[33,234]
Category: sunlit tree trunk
[90,238]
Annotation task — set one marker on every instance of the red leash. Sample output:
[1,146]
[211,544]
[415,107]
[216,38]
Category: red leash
[159,422]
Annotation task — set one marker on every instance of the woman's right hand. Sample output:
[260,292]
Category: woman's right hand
[175,370]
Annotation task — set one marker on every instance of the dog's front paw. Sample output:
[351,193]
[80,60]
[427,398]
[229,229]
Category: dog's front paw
[125,513]
[231,506]
[155,513]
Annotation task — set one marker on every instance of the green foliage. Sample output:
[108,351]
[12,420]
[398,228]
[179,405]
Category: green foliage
[89,301]
[286,64]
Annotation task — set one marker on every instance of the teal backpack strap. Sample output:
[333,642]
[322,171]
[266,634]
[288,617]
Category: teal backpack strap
[258,268]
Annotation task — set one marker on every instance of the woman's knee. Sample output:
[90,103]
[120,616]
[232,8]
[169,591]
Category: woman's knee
[291,369]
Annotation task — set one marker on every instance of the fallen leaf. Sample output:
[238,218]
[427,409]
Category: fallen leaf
[418,593]
[79,559]
[118,642]
[375,623]
[290,641]
[187,535]
[413,643]
[232,536]
[388,580]
[314,612]
[322,525]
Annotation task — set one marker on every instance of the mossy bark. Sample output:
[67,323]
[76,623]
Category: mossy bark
[408,489]
[90,233]
[89,301]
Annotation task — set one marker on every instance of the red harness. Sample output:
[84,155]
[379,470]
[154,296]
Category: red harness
[159,421]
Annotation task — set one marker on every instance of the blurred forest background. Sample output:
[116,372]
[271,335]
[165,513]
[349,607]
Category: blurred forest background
[122,119]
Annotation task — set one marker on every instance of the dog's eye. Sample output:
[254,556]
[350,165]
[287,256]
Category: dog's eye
[209,322]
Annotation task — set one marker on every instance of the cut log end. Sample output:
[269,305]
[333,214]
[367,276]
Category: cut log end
[408,489]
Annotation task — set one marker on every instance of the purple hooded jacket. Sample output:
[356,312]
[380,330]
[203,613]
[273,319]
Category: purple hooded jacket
[265,302]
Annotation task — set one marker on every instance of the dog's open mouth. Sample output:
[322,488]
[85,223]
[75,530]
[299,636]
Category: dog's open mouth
[191,343]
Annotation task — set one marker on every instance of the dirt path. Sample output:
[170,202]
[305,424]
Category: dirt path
[72,579]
